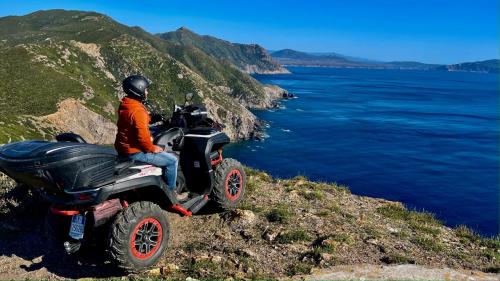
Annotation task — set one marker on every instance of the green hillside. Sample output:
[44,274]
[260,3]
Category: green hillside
[56,55]
[248,58]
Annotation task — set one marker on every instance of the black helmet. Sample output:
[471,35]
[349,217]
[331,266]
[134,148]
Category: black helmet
[135,86]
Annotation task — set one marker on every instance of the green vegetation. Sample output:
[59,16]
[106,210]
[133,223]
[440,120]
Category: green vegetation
[312,194]
[397,259]
[281,214]
[418,221]
[429,244]
[49,56]
[239,55]
[205,267]
[299,268]
[293,236]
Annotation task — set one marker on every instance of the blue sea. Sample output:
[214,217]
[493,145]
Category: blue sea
[429,139]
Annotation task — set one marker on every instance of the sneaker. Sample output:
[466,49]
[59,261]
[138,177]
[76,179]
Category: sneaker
[182,196]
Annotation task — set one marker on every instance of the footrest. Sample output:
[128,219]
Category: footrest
[176,208]
[198,205]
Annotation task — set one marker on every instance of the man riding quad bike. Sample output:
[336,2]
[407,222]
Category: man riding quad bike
[93,189]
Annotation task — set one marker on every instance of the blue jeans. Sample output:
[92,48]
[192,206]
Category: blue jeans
[163,160]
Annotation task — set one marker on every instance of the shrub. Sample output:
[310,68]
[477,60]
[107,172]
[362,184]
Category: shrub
[293,236]
[281,214]
[299,268]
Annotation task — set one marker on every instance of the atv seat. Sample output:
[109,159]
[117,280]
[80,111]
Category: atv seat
[123,163]
[119,168]
[71,137]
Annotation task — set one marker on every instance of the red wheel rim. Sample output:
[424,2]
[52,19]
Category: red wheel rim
[146,238]
[234,184]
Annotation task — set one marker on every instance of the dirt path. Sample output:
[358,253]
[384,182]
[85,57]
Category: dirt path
[399,272]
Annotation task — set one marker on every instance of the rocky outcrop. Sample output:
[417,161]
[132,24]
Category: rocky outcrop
[253,68]
[238,125]
[93,51]
[73,116]
[273,93]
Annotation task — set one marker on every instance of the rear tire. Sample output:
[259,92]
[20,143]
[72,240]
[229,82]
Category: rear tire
[229,185]
[138,236]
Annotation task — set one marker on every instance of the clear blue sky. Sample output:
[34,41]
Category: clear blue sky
[433,31]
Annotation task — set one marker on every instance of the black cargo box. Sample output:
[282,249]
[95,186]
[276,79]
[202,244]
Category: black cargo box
[60,165]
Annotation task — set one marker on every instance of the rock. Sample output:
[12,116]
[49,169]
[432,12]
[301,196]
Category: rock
[373,242]
[246,253]
[154,272]
[270,236]
[239,275]
[216,259]
[239,122]
[246,234]
[325,257]
[189,278]
[200,258]
[73,116]
[223,236]
[244,218]
[393,230]
[300,182]
[296,248]
[169,268]
[329,243]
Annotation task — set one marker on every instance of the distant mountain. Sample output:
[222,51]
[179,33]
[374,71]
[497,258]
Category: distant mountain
[292,57]
[407,65]
[489,66]
[250,58]
[297,58]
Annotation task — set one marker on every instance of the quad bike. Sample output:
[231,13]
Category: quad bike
[93,190]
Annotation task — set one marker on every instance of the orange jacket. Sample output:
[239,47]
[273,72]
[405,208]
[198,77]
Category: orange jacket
[133,128]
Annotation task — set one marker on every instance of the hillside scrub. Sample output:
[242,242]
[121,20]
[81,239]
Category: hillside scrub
[278,231]
[250,58]
[52,56]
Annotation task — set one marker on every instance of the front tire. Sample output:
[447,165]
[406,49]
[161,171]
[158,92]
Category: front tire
[138,236]
[229,185]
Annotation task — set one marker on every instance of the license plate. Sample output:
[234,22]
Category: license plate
[77,226]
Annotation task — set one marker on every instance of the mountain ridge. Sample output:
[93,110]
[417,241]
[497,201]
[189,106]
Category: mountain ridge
[249,58]
[289,57]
